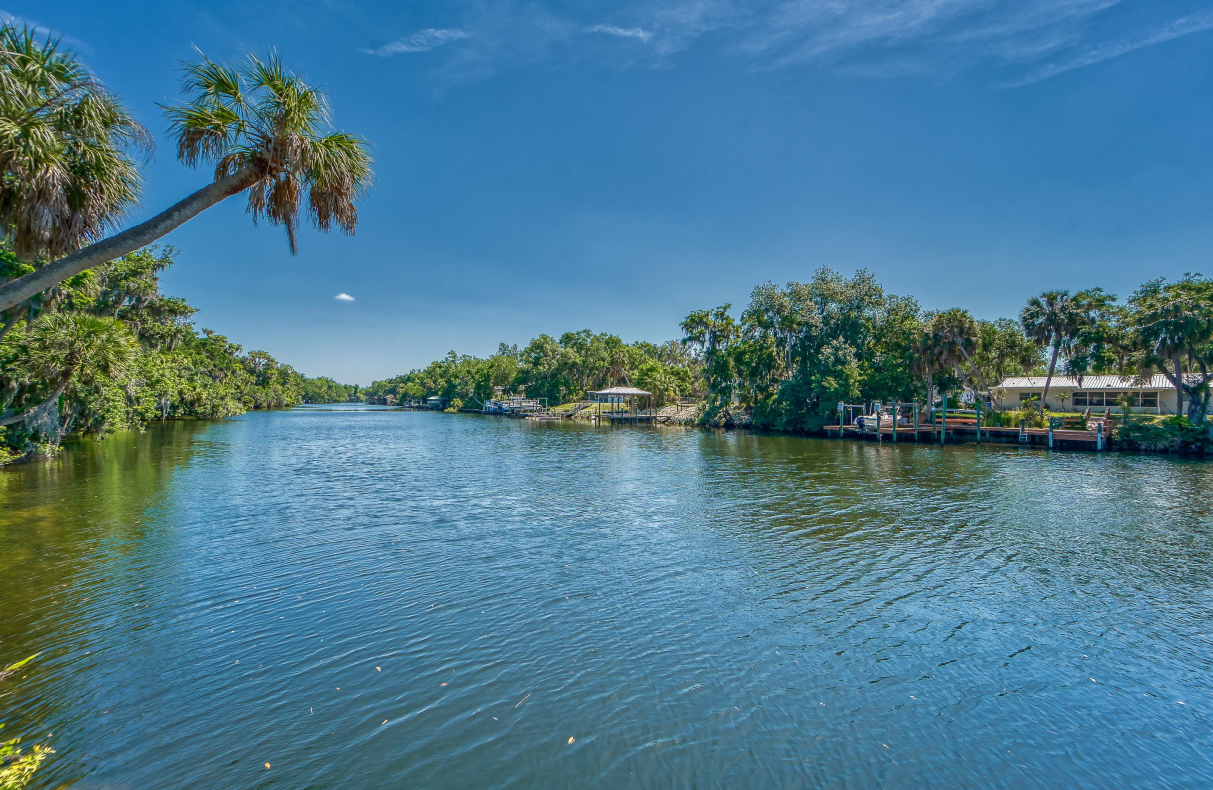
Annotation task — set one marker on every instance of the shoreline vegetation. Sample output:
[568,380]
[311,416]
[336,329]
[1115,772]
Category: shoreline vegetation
[107,351]
[88,343]
[795,352]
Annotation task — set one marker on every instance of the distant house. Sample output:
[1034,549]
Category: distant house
[435,402]
[1155,394]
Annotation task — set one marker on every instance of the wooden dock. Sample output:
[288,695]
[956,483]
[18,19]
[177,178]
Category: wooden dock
[962,433]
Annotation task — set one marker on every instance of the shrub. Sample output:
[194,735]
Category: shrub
[1166,435]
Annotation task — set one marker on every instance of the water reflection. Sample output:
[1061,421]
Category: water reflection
[385,599]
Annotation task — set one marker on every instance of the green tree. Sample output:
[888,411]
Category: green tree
[666,382]
[1105,342]
[927,352]
[326,390]
[499,370]
[962,343]
[1003,350]
[1174,325]
[66,345]
[713,333]
[889,369]
[543,370]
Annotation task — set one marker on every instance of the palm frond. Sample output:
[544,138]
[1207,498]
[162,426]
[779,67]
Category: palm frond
[264,120]
[207,80]
[338,174]
[68,148]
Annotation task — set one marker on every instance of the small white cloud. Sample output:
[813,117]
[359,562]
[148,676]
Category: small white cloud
[421,41]
[621,32]
[344,298]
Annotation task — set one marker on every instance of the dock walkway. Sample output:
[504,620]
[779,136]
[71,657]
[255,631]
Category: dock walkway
[1087,440]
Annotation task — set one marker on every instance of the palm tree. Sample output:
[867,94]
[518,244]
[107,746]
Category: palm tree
[956,338]
[928,352]
[713,332]
[68,148]
[265,131]
[1051,320]
[64,345]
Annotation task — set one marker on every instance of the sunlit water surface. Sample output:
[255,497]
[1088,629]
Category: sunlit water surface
[381,599]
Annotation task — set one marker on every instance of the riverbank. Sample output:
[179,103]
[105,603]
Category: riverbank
[1160,436]
[1147,434]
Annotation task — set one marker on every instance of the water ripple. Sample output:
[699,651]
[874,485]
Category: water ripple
[386,599]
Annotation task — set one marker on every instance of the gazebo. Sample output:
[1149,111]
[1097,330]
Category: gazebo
[629,398]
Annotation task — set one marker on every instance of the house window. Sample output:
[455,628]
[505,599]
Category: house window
[1112,399]
[1115,399]
[1028,397]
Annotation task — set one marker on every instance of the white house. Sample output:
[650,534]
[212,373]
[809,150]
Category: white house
[1154,395]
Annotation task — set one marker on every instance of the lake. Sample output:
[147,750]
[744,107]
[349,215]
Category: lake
[378,599]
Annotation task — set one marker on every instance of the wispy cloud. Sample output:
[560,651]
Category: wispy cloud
[344,298]
[939,35]
[621,32]
[1017,41]
[1174,30]
[421,41]
[41,30]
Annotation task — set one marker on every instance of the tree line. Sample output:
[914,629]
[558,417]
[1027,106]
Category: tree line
[799,350]
[555,370]
[106,350]
[794,352]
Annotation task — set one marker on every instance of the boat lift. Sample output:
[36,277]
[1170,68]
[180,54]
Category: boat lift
[892,412]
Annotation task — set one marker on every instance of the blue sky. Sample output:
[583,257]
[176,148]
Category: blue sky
[545,166]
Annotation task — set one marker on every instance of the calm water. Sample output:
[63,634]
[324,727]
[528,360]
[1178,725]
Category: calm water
[388,600]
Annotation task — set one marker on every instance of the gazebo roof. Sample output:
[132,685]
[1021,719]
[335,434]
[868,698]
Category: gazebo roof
[620,391]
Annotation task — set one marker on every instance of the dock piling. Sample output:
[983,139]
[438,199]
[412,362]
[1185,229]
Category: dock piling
[943,425]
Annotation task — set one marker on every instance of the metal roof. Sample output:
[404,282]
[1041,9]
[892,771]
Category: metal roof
[620,391]
[1156,382]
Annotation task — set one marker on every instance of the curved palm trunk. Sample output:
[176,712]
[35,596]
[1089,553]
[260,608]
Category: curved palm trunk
[54,397]
[1049,379]
[129,240]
